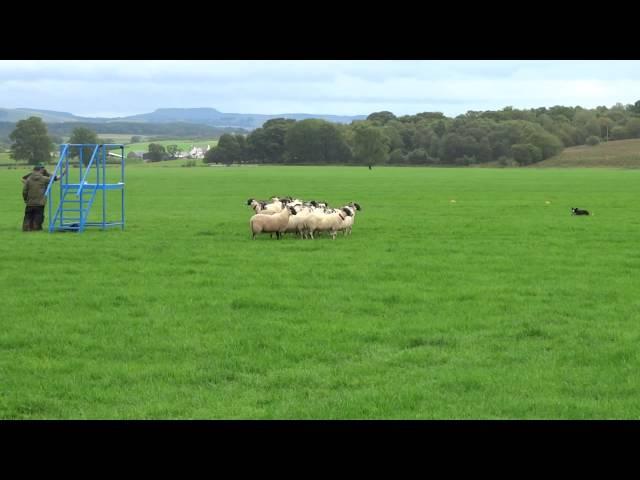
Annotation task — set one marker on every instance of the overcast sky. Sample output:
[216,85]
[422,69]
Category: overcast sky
[120,88]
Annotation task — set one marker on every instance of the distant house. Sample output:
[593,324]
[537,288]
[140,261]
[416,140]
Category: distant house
[198,152]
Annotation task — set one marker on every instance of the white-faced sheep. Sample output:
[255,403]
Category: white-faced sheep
[296,222]
[276,223]
[325,222]
[275,206]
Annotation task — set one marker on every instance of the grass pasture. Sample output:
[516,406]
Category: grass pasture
[497,305]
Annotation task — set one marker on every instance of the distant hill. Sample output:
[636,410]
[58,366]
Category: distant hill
[48,116]
[213,117]
[203,116]
[618,153]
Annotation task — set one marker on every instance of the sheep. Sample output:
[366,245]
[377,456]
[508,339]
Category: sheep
[325,222]
[348,221]
[276,223]
[294,202]
[296,223]
[258,206]
[313,203]
[264,208]
[276,206]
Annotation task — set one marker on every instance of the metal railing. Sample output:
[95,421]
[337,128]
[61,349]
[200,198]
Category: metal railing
[86,173]
[53,176]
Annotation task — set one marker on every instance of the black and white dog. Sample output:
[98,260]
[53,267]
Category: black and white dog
[577,211]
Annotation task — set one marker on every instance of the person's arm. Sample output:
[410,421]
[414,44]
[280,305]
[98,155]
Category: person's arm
[25,189]
[56,178]
[25,177]
[60,176]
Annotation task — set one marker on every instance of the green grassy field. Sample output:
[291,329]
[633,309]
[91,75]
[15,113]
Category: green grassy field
[499,305]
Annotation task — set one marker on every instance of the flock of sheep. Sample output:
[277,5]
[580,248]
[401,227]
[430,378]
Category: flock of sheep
[283,215]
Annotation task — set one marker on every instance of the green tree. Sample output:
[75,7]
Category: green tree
[395,139]
[605,126]
[172,150]
[136,139]
[452,147]
[397,157]
[83,135]
[633,127]
[230,149]
[592,140]
[619,133]
[381,118]
[31,142]
[266,144]
[157,152]
[548,144]
[243,148]
[316,141]
[370,145]
[419,156]
[526,153]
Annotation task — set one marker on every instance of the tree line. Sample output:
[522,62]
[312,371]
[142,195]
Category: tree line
[32,143]
[505,137]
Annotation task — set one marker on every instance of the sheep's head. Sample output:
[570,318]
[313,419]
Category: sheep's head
[292,210]
[313,203]
[348,212]
[250,201]
[354,204]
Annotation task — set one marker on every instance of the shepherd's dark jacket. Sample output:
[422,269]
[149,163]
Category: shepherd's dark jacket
[34,188]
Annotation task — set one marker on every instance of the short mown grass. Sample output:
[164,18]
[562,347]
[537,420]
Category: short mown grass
[498,305]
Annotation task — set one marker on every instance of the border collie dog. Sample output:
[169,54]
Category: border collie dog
[577,211]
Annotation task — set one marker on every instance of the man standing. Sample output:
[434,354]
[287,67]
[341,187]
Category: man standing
[35,184]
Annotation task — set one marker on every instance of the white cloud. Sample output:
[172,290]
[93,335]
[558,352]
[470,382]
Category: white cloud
[330,87]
